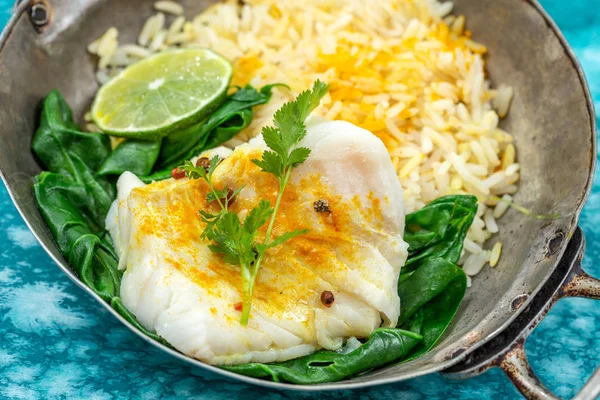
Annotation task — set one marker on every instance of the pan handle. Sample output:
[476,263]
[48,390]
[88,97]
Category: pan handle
[515,366]
[514,362]
[507,350]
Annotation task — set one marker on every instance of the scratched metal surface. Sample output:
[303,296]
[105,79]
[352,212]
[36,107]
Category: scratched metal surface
[57,343]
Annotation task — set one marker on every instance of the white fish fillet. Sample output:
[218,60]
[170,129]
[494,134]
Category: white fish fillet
[177,287]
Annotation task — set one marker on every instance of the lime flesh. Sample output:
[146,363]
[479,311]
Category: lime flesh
[164,92]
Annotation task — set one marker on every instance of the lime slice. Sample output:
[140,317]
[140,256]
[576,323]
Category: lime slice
[162,93]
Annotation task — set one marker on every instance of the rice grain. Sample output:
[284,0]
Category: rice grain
[502,206]
[495,254]
[169,7]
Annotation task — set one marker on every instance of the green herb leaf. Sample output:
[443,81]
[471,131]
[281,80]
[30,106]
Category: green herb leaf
[298,156]
[211,221]
[289,130]
[272,139]
[217,195]
[194,172]
[234,242]
[287,236]
[271,163]
[258,216]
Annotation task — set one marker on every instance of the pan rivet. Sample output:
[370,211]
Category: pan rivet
[39,14]
[554,244]
[518,301]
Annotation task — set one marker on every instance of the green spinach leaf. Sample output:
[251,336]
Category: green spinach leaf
[64,150]
[136,156]
[439,229]
[57,139]
[431,279]
[93,261]
[433,294]
[74,200]
[383,347]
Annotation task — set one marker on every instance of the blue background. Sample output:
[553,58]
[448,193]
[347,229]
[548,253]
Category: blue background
[57,343]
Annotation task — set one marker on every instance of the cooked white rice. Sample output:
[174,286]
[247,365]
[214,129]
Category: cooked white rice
[407,70]
[170,7]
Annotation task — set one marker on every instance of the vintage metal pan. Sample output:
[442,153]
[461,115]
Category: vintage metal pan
[552,117]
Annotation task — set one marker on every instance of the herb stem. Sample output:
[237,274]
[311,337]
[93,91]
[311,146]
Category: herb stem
[223,208]
[248,289]
[256,267]
[282,185]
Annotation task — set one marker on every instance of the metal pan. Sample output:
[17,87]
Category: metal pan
[552,118]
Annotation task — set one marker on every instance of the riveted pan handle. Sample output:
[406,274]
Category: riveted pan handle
[507,350]
[515,366]
[514,362]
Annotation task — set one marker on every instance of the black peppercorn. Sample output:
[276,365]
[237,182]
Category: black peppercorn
[322,206]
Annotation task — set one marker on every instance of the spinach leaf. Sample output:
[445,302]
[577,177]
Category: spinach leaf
[57,139]
[93,261]
[74,200]
[83,191]
[157,176]
[96,265]
[438,229]
[383,347]
[233,116]
[99,192]
[136,156]
[74,154]
[228,129]
[433,294]
[431,279]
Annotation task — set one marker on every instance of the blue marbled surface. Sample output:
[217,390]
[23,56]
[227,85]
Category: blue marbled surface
[56,343]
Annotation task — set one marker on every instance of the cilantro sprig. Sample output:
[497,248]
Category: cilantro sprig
[236,241]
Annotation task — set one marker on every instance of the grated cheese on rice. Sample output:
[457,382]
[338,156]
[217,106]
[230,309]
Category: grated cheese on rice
[406,70]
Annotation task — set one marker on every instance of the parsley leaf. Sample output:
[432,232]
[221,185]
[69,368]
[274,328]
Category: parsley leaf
[258,216]
[289,130]
[286,236]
